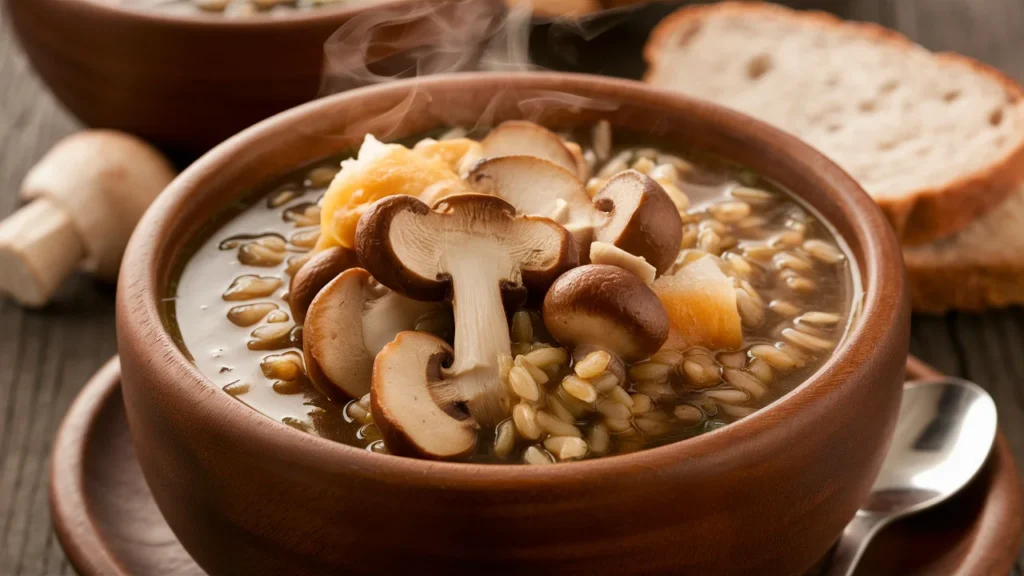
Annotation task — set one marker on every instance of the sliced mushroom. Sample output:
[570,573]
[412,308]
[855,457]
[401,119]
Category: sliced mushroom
[522,138]
[631,211]
[414,406]
[475,250]
[323,267]
[607,307]
[349,322]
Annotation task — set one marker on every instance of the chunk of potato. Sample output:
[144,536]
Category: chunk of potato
[384,170]
[701,305]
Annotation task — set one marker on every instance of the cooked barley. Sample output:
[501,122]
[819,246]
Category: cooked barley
[593,364]
[745,381]
[762,370]
[823,251]
[806,341]
[522,327]
[556,427]
[613,409]
[618,425]
[730,212]
[249,287]
[599,439]
[649,372]
[538,375]
[774,357]
[580,389]
[547,357]
[249,314]
[559,410]
[727,396]
[802,285]
[819,318]
[641,403]
[523,384]
[566,447]
[536,456]
[525,419]
[688,414]
[783,308]
[505,439]
[621,396]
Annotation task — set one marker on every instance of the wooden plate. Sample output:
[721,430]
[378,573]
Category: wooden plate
[109,524]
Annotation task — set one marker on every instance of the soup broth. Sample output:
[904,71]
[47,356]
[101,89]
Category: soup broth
[791,291]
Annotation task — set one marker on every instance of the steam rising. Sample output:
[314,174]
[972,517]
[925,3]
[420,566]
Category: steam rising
[397,42]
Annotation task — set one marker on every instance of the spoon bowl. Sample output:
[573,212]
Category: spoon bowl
[945,431]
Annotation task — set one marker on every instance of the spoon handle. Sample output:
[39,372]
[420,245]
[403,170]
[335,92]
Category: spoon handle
[853,542]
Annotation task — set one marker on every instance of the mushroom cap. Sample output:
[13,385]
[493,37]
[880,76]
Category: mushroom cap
[607,307]
[523,138]
[534,186]
[644,220]
[409,248]
[323,267]
[337,361]
[413,406]
[103,180]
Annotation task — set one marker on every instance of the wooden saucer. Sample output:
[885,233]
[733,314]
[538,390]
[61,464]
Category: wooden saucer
[109,524]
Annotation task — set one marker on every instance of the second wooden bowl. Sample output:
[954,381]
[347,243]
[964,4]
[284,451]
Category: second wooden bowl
[187,82]
[767,495]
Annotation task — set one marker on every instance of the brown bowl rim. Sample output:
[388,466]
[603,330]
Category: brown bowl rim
[139,318]
[342,13]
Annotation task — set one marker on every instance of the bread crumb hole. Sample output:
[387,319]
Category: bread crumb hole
[833,128]
[951,95]
[996,117]
[832,81]
[759,66]
[889,86]
[868,106]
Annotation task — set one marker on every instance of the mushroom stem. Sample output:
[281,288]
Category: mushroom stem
[481,333]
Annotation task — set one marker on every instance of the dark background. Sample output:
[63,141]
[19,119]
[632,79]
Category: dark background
[46,356]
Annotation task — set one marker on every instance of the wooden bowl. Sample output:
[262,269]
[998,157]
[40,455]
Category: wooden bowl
[188,82]
[766,495]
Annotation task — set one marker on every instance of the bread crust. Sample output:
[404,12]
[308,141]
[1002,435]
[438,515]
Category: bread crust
[973,287]
[929,213]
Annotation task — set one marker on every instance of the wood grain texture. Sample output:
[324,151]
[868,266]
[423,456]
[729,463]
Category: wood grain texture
[45,357]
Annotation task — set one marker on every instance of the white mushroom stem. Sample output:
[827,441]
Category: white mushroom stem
[481,333]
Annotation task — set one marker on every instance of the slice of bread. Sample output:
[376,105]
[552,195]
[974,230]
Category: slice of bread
[982,266]
[936,139]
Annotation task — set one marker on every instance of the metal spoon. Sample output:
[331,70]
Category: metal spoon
[944,434]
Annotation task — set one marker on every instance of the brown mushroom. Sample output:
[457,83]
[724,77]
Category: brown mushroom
[414,406]
[323,267]
[631,211]
[349,321]
[523,138]
[607,307]
[475,250]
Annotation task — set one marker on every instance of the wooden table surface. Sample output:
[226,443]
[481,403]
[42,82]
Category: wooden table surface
[46,356]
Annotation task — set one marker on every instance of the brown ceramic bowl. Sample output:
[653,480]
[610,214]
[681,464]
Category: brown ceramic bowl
[187,82]
[767,495]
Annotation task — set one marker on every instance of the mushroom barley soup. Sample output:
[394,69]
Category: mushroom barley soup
[342,304]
